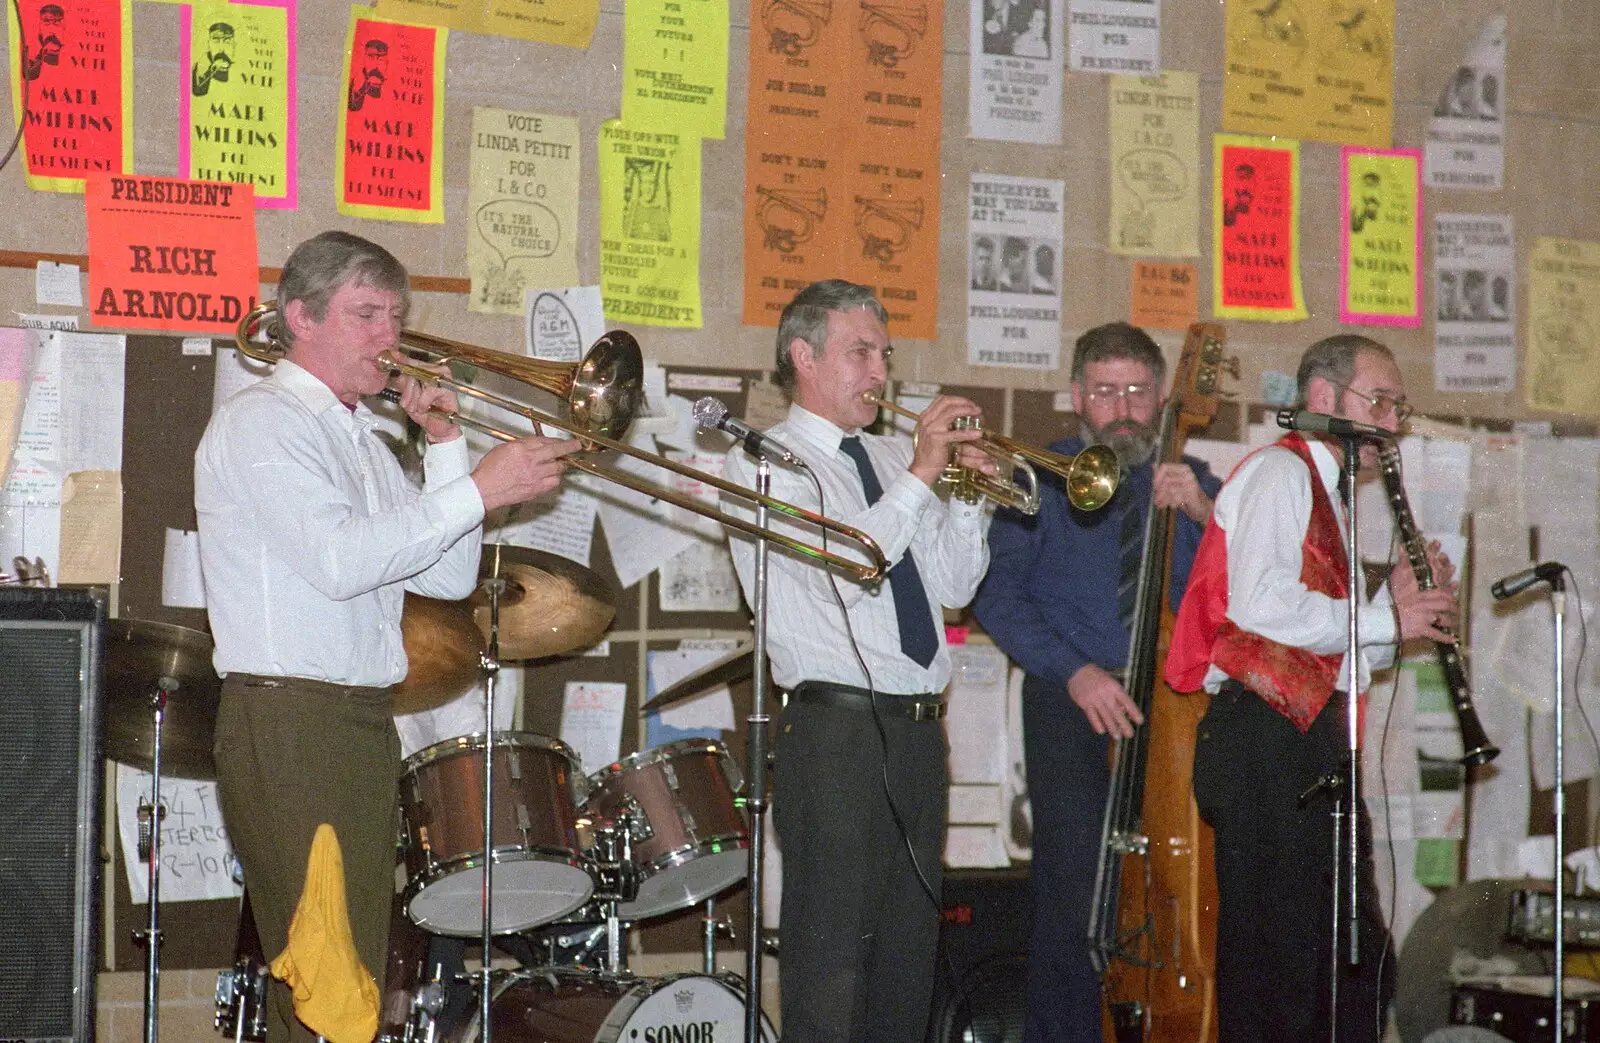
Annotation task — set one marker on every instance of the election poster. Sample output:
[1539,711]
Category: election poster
[1475,315]
[1255,229]
[1317,69]
[390,164]
[236,104]
[73,59]
[1119,36]
[649,226]
[522,206]
[1155,165]
[569,23]
[1564,326]
[1466,136]
[675,66]
[1380,238]
[1015,71]
[170,254]
[1014,226]
[1164,296]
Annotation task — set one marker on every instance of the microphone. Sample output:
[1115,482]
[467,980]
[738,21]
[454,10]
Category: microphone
[1322,423]
[1545,572]
[710,413]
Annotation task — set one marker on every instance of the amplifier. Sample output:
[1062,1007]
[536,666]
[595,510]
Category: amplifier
[1519,1008]
[1533,917]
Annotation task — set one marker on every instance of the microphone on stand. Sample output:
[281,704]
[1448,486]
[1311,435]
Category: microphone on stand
[1514,584]
[1322,423]
[710,413]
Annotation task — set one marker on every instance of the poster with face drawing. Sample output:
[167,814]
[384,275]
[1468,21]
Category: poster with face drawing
[1014,271]
[1474,279]
[1016,71]
[1466,136]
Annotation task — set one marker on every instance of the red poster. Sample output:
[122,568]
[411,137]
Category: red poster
[1256,229]
[392,122]
[169,254]
[73,61]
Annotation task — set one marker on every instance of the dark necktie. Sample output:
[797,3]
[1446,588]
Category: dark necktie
[918,639]
[1130,553]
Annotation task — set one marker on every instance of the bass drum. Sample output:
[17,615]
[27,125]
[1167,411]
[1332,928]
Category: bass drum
[566,1006]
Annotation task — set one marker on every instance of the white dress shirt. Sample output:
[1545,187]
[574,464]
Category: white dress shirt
[1264,510]
[806,635]
[310,534]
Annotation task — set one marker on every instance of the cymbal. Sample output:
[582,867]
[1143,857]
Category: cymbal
[443,648]
[140,656]
[551,604]
[735,666]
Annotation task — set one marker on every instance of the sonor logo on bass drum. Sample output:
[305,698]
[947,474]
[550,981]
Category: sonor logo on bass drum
[693,1032]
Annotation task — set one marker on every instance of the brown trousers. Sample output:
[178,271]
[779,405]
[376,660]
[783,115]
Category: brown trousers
[292,754]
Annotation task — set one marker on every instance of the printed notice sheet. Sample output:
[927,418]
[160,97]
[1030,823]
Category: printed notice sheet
[1466,136]
[1475,315]
[522,206]
[1014,263]
[1155,165]
[1564,326]
[1016,71]
[649,226]
[1121,36]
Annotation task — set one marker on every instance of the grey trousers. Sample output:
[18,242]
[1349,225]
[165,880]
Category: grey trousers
[292,754]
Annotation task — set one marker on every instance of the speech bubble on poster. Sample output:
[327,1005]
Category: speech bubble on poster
[518,229]
[1153,175]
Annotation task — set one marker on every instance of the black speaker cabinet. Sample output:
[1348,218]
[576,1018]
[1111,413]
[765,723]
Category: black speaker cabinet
[981,987]
[50,793]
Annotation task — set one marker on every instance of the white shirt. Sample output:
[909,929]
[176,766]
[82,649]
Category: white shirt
[806,635]
[310,534]
[1264,510]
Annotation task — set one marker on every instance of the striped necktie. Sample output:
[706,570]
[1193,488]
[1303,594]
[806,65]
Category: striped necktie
[918,638]
[1130,553]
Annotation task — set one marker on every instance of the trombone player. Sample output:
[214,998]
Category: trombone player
[860,917]
[309,535]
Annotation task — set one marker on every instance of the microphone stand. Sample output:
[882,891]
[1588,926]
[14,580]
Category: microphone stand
[1346,806]
[756,765]
[1558,603]
[494,587]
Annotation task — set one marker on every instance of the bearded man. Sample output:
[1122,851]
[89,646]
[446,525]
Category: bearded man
[1058,600]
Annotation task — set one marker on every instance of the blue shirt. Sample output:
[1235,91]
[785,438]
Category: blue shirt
[1050,598]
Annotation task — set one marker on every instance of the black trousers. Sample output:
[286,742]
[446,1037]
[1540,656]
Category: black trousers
[1068,780]
[1275,876]
[857,934]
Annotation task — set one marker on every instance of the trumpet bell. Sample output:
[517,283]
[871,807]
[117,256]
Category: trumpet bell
[1092,479]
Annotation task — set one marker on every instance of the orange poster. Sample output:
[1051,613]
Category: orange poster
[391,122]
[170,254]
[72,62]
[1165,296]
[842,155]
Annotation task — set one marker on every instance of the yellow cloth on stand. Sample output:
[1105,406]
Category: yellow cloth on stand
[334,994]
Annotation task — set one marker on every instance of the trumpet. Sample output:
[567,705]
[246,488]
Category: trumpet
[1090,477]
[602,393]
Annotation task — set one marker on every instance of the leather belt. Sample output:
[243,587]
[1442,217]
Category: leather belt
[847,697]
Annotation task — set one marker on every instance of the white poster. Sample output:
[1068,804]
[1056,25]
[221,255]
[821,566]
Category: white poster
[1466,136]
[1014,285]
[1114,36]
[562,324]
[591,721]
[1475,319]
[196,857]
[1014,87]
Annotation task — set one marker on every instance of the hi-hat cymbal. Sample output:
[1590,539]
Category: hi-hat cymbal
[551,604]
[443,649]
[735,666]
[140,657]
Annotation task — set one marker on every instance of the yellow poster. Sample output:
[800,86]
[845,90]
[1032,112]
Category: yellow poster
[675,66]
[1380,239]
[1564,326]
[1155,163]
[522,206]
[569,23]
[237,102]
[649,226]
[1318,69]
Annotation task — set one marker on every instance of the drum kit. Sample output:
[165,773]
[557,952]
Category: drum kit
[574,859]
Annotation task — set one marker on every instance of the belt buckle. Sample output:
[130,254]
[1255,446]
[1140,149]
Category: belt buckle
[930,710]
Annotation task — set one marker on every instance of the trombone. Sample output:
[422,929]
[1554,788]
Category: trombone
[602,392]
[1091,477]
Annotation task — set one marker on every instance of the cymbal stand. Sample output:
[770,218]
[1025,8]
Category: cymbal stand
[494,587]
[1558,605]
[150,816]
[756,766]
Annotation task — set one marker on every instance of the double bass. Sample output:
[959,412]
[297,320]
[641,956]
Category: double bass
[1153,926]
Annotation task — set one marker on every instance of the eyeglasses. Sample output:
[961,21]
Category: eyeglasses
[1381,404]
[1139,393]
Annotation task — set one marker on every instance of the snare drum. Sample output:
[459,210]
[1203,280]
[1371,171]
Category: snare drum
[539,874]
[565,1006]
[689,836]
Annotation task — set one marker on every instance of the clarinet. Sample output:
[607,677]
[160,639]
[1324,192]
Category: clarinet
[1475,744]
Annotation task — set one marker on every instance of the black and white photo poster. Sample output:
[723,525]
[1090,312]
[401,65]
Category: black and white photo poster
[1014,271]
[1475,317]
[1016,71]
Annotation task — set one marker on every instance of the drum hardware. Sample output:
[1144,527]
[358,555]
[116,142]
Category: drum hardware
[1091,477]
[616,883]
[601,393]
[1533,919]
[550,605]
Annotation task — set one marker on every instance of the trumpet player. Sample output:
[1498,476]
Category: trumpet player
[860,900]
[309,535]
